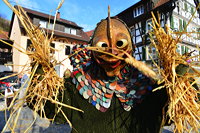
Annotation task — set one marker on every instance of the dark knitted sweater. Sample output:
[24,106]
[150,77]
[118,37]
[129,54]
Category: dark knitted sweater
[144,118]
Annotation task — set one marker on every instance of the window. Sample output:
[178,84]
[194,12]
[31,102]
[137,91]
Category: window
[28,44]
[70,30]
[178,49]
[50,26]
[193,30]
[162,23]
[67,50]
[138,11]
[148,25]
[195,54]
[133,34]
[138,53]
[133,31]
[138,37]
[52,46]
[151,53]
[180,5]
[67,30]
[43,24]
[176,23]
[141,9]
[73,31]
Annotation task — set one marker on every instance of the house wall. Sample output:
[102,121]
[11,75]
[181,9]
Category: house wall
[181,18]
[188,43]
[24,59]
[16,37]
[20,42]
[61,57]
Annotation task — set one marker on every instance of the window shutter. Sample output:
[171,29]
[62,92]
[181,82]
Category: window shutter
[184,25]
[182,50]
[172,22]
[185,6]
[186,49]
[143,53]
[180,25]
[192,10]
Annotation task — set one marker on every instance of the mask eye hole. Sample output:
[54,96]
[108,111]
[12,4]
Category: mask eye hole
[119,43]
[122,43]
[102,44]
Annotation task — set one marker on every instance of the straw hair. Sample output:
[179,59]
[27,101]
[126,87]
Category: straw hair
[183,104]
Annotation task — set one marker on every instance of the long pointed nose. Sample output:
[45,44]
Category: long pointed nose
[114,51]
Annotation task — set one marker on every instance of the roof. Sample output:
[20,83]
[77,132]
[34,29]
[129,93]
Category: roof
[48,16]
[160,2]
[82,37]
[89,33]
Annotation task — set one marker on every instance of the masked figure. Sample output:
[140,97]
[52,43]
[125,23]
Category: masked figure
[114,96]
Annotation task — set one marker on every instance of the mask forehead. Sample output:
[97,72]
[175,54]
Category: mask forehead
[116,31]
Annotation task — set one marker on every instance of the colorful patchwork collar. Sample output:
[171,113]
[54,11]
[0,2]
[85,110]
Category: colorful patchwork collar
[92,83]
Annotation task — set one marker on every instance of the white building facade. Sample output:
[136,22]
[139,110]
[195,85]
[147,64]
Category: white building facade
[183,20]
[66,35]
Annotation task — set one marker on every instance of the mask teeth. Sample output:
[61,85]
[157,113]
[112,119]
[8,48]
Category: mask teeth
[109,28]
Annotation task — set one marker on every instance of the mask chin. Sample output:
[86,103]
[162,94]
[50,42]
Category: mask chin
[111,69]
[113,72]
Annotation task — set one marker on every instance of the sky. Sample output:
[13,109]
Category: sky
[85,13]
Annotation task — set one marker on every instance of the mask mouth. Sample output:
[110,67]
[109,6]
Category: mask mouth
[112,62]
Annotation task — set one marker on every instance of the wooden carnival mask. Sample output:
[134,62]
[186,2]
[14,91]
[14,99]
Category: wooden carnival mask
[112,36]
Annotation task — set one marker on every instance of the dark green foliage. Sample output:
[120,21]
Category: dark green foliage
[4,24]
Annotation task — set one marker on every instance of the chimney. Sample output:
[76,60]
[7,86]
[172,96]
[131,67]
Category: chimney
[58,15]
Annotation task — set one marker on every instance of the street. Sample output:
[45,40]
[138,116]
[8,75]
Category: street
[40,125]
[26,118]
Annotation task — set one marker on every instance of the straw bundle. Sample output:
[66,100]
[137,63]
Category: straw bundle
[184,107]
[44,84]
